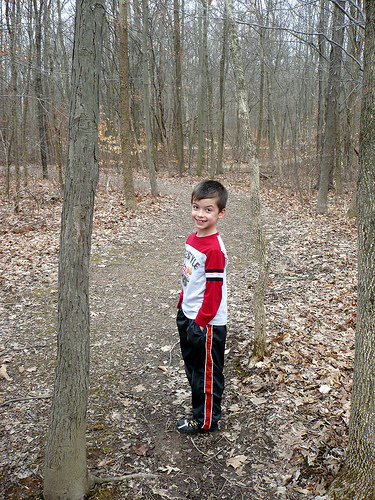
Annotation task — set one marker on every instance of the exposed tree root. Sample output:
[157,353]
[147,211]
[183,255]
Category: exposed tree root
[253,360]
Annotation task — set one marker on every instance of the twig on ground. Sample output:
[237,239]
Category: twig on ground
[170,354]
[200,451]
[17,400]
[126,477]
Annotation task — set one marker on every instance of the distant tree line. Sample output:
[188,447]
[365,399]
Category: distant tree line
[302,67]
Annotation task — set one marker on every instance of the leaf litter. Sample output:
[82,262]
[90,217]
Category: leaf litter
[284,428]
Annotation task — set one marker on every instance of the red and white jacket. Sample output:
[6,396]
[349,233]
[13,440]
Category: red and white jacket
[204,288]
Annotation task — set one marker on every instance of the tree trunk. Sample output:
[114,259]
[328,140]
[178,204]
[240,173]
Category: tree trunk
[178,87]
[56,137]
[201,91]
[126,133]
[210,127]
[331,133]
[12,17]
[356,479]
[321,49]
[255,204]
[223,69]
[261,98]
[66,473]
[42,125]
[146,101]
[355,47]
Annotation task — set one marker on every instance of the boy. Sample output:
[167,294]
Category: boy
[202,308]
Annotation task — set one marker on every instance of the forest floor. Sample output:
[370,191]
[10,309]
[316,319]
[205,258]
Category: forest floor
[283,431]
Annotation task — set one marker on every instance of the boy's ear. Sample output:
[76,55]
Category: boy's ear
[222,213]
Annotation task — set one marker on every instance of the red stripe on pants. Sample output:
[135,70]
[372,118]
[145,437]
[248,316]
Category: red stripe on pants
[208,380]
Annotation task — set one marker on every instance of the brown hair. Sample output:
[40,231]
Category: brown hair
[211,189]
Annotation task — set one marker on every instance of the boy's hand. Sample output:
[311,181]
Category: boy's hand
[195,332]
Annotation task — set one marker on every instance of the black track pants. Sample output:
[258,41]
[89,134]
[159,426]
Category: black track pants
[203,354]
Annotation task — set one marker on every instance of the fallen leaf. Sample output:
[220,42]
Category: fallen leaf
[258,401]
[140,450]
[3,373]
[139,388]
[106,461]
[236,461]
[324,389]
[168,469]
[32,369]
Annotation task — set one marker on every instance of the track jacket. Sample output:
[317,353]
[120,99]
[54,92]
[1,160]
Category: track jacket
[204,288]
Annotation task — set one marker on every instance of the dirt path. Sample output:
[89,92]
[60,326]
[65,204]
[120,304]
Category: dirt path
[134,307]
[275,436]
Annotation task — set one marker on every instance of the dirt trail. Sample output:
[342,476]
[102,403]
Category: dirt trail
[134,307]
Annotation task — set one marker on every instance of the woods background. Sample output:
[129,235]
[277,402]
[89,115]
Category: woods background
[302,63]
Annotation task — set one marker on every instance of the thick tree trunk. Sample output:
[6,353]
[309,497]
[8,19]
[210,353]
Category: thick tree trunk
[356,480]
[126,133]
[66,474]
[255,204]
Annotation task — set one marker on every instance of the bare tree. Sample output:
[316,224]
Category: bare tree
[125,125]
[321,48]
[178,86]
[12,17]
[42,119]
[255,204]
[66,473]
[202,88]
[146,101]
[330,141]
[222,78]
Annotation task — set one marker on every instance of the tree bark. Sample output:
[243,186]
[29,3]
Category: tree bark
[42,125]
[223,69]
[125,128]
[356,479]
[255,203]
[146,102]
[331,132]
[66,473]
[321,49]
[12,17]
[201,90]
[261,97]
[178,87]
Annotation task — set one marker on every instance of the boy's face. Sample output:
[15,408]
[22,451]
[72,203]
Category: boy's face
[205,214]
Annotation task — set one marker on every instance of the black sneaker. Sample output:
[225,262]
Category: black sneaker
[188,426]
[193,427]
